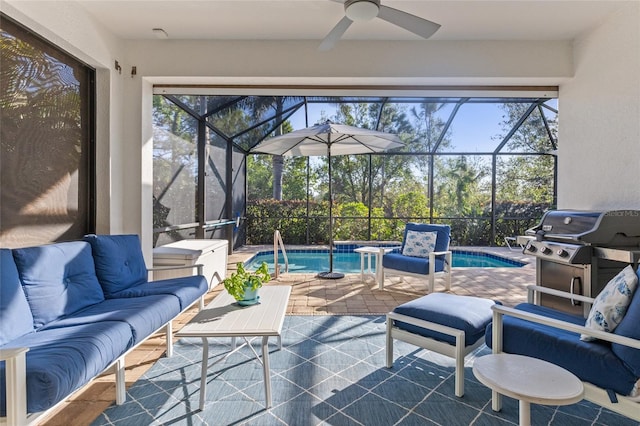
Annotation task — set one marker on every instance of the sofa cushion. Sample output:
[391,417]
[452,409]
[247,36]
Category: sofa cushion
[419,244]
[630,327]
[119,261]
[593,362]
[466,313]
[58,279]
[15,315]
[145,315]
[186,289]
[610,306]
[61,360]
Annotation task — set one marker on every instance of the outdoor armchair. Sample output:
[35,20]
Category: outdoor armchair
[424,254]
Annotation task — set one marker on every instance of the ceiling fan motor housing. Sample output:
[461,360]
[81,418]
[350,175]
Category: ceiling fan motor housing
[361,10]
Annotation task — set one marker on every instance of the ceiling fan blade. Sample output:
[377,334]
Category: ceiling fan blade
[334,35]
[409,22]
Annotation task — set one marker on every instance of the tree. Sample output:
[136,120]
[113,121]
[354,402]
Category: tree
[352,180]
[259,106]
[458,187]
[175,165]
[259,177]
[527,178]
[351,228]
[260,182]
[411,204]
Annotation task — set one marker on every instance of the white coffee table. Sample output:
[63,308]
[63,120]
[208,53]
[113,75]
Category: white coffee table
[223,317]
[377,253]
[528,380]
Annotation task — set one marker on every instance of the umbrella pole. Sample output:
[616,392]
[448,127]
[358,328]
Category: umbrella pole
[330,275]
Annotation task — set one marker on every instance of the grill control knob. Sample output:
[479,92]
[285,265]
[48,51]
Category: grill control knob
[531,248]
[545,250]
[562,253]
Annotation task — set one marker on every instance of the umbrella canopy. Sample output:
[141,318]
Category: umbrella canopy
[329,139]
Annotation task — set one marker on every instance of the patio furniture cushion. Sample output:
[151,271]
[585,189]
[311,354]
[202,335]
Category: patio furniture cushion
[144,315]
[186,289]
[58,279]
[15,315]
[611,304]
[443,231]
[419,244]
[593,362]
[629,327]
[119,261]
[466,313]
[415,265]
[61,360]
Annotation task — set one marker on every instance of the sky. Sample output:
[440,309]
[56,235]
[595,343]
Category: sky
[476,127]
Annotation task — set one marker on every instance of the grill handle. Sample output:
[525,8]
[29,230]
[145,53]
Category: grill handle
[574,281]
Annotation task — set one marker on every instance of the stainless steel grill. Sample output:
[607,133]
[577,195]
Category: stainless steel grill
[580,251]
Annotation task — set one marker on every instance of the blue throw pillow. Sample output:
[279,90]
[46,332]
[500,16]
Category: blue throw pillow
[15,314]
[58,279]
[119,261]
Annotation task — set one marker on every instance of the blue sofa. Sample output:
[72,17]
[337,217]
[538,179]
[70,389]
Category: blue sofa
[71,310]
[609,366]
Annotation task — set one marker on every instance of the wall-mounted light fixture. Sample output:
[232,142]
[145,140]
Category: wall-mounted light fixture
[160,33]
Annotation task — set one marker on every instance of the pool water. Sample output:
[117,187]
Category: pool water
[305,261]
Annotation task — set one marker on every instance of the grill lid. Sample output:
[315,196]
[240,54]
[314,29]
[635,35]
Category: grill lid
[611,228]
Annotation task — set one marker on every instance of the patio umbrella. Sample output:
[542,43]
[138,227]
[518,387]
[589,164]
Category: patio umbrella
[328,139]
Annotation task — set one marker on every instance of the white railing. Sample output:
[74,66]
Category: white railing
[277,243]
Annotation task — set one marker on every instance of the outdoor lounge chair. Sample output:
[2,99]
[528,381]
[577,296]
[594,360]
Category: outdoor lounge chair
[424,253]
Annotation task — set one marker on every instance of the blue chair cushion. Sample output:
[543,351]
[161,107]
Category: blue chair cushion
[593,362]
[15,315]
[630,327]
[119,261]
[61,360]
[58,279]
[144,315]
[186,289]
[466,313]
[415,265]
[444,233]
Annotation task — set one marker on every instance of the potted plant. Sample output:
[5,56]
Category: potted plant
[243,285]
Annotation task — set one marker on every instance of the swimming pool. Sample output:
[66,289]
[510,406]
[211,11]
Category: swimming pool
[313,261]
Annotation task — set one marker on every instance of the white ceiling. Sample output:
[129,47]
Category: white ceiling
[313,19]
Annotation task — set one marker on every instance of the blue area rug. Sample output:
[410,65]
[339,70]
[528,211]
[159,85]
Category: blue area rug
[331,371]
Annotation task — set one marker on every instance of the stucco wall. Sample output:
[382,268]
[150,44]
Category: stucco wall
[599,120]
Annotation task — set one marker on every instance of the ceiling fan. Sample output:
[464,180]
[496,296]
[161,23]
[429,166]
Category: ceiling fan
[365,10]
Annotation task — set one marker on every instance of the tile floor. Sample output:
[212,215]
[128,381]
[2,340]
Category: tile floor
[311,296]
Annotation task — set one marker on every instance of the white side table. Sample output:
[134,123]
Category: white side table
[223,317]
[375,252]
[528,380]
